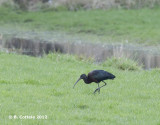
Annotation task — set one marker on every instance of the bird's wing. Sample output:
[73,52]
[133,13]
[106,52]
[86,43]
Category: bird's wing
[97,75]
[100,75]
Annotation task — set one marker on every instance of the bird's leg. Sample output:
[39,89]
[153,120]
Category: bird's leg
[100,87]
[97,89]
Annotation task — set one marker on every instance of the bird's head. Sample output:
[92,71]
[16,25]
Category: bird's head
[83,76]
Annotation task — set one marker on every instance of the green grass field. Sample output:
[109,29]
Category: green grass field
[43,86]
[133,26]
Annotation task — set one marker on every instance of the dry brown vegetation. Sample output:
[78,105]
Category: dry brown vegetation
[83,4]
[106,4]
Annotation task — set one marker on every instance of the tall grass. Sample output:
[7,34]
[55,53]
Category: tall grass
[122,63]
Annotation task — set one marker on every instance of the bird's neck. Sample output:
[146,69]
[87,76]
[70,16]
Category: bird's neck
[86,80]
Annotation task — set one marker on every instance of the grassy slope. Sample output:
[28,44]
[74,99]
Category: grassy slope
[136,26]
[43,86]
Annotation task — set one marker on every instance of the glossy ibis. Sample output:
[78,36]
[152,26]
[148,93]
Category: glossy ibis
[96,76]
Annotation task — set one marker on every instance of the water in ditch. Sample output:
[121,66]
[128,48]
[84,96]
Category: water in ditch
[147,56]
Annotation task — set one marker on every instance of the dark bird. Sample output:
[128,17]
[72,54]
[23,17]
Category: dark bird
[96,76]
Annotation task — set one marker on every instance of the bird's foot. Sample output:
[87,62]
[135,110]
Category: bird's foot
[98,89]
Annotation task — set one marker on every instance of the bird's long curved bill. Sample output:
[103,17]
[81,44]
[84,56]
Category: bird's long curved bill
[76,82]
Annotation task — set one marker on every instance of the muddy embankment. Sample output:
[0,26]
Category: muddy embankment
[100,52]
